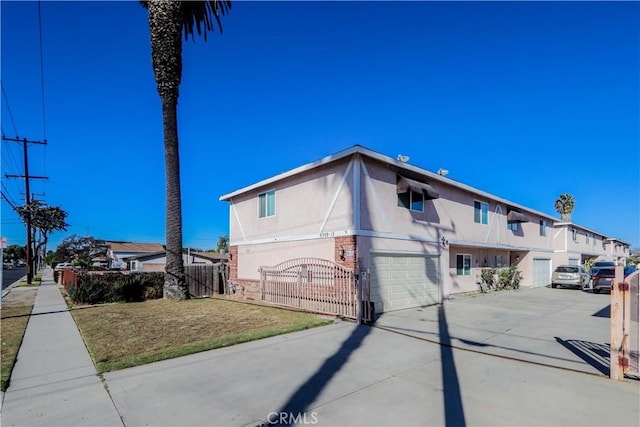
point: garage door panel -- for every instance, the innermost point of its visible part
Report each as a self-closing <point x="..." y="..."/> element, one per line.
<point x="541" y="271"/>
<point x="399" y="282"/>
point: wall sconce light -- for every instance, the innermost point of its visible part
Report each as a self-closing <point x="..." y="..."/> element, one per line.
<point x="517" y="258"/>
<point x="444" y="241"/>
<point x="230" y="256"/>
<point x="341" y="253"/>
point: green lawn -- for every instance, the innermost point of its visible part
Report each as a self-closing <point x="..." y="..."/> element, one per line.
<point x="131" y="334"/>
<point x="13" y="323"/>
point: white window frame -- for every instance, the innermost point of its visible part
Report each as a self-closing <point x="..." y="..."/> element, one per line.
<point x="543" y="228"/>
<point x="266" y="207"/>
<point x="411" y="201"/>
<point x="464" y="270"/>
<point x="575" y="234"/>
<point x="483" y="219"/>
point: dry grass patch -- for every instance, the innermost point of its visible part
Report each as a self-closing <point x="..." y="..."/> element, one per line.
<point x="14" y="317"/>
<point x="131" y="334"/>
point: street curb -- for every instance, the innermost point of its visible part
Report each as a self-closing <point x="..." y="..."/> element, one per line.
<point x="6" y="290"/>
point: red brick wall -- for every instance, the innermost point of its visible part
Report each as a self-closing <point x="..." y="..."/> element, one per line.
<point x="348" y="243"/>
<point x="246" y="289"/>
<point x="233" y="263"/>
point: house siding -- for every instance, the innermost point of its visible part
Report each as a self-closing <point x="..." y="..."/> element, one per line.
<point x="351" y="203"/>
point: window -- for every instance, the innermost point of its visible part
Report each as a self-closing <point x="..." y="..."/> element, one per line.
<point x="512" y="225"/>
<point x="586" y="236"/>
<point x="411" y="200"/>
<point x="481" y="212"/>
<point x="463" y="265"/>
<point x="575" y="235"/>
<point x="543" y="227"/>
<point x="267" y="204"/>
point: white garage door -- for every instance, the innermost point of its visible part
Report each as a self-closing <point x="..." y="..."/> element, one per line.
<point x="399" y="282"/>
<point x="541" y="271"/>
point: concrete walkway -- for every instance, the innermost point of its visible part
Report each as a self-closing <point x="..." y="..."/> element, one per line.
<point x="343" y="374"/>
<point x="54" y="382"/>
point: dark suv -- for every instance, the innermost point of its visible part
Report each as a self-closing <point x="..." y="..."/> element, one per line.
<point x="596" y="266"/>
<point x="602" y="279"/>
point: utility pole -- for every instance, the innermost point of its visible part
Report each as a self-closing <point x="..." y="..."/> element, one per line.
<point x="27" y="177"/>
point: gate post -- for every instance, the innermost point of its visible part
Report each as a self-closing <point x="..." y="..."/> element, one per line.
<point x="619" y="357"/>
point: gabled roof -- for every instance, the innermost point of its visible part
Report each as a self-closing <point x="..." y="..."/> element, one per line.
<point x="400" y="167"/>
<point x="135" y="247"/>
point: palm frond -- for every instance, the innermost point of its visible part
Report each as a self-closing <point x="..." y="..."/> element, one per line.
<point x="199" y="16"/>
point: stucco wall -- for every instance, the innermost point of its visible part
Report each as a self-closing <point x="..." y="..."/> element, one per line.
<point x="302" y="204"/>
<point x="251" y="257"/>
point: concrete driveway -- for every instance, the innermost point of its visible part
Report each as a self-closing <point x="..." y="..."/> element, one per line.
<point x="398" y="374"/>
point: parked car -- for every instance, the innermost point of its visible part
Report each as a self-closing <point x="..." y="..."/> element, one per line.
<point x="62" y="266"/>
<point x="604" y="276"/>
<point x="601" y="264"/>
<point x="570" y="275"/>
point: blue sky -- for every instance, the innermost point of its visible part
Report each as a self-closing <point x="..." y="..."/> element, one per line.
<point x="522" y="100"/>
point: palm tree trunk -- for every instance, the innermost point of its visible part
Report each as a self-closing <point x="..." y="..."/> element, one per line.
<point x="165" y="24"/>
<point x="174" y="281"/>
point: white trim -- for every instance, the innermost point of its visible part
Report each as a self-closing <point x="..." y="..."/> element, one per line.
<point x="383" y="235"/>
<point x="335" y="197"/>
<point x="235" y="212"/>
<point x="356" y="192"/>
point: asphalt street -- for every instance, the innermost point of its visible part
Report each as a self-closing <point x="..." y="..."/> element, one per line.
<point x="11" y="275"/>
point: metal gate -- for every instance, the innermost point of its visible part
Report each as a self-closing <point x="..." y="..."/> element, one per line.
<point x="311" y="284"/>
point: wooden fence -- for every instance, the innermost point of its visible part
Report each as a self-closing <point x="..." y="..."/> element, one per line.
<point x="310" y="284"/>
<point x="204" y="280"/>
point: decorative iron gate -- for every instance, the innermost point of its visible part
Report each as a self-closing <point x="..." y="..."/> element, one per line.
<point x="311" y="284"/>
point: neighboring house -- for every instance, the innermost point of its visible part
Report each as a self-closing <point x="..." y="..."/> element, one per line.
<point x="118" y="251"/>
<point x="157" y="261"/>
<point x="414" y="236"/>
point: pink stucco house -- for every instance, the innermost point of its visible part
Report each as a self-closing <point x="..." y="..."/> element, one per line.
<point x="413" y="235"/>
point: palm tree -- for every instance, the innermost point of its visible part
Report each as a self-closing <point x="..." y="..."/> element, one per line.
<point x="167" y="21"/>
<point x="565" y="205"/>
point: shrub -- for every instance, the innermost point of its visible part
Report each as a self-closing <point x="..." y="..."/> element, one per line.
<point x="116" y="287"/>
<point x="509" y="278"/>
<point x="488" y="278"/>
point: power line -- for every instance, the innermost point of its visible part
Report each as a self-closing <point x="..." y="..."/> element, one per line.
<point x="44" y="122"/>
<point x="6" y="101"/>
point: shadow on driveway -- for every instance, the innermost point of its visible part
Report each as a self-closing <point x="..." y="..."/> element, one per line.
<point x="596" y="355"/>
<point x="307" y="393"/>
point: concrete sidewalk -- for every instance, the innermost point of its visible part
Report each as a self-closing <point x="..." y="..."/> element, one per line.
<point x="54" y="382"/>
